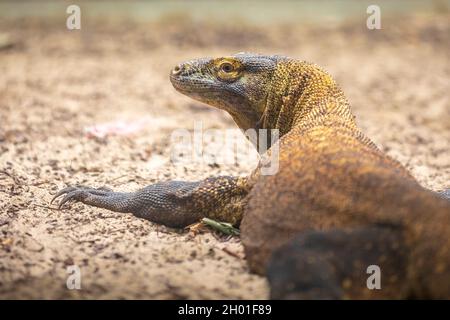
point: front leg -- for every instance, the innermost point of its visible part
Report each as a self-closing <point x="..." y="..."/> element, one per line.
<point x="172" y="203"/>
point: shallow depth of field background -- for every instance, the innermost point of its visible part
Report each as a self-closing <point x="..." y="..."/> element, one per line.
<point x="55" y="84"/>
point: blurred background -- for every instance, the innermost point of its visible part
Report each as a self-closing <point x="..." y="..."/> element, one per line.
<point x="94" y="106"/>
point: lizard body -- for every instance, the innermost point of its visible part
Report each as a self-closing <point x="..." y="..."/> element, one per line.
<point x="336" y="205"/>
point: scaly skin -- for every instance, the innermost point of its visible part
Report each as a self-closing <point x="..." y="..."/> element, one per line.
<point x="336" y="205"/>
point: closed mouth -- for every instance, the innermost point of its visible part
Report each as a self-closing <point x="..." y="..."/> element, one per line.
<point x="190" y="85"/>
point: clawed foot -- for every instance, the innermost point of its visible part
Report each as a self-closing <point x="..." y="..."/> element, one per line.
<point x="79" y="193"/>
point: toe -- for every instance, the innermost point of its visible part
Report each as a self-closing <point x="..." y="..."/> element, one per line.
<point x="76" y="195"/>
<point x="63" y="191"/>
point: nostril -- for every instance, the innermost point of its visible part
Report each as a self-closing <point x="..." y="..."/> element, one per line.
<point x="177" y="70"/>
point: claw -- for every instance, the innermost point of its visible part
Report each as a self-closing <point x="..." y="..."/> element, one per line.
<point x="63" y="191"/>
<point x="66" y="198"/>
<point x="77" y="192"/>
<point x="71" y="195"/>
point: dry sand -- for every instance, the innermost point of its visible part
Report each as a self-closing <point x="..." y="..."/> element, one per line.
<point x="54" y="83"/>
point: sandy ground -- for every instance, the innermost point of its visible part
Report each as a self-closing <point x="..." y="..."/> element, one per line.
<point x="55" y="83"/>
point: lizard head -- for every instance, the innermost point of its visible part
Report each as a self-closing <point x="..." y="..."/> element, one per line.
<point x="238" y="84"/>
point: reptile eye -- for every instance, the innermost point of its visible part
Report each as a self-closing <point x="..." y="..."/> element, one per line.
<point x="227" y="67"/>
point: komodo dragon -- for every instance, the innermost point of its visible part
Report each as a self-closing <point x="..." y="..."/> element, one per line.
<point x="336" y="205"/>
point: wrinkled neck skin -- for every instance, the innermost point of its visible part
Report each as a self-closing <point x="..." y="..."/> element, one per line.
<point x="244" y="119"/>
<point x="303" y="96"/>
